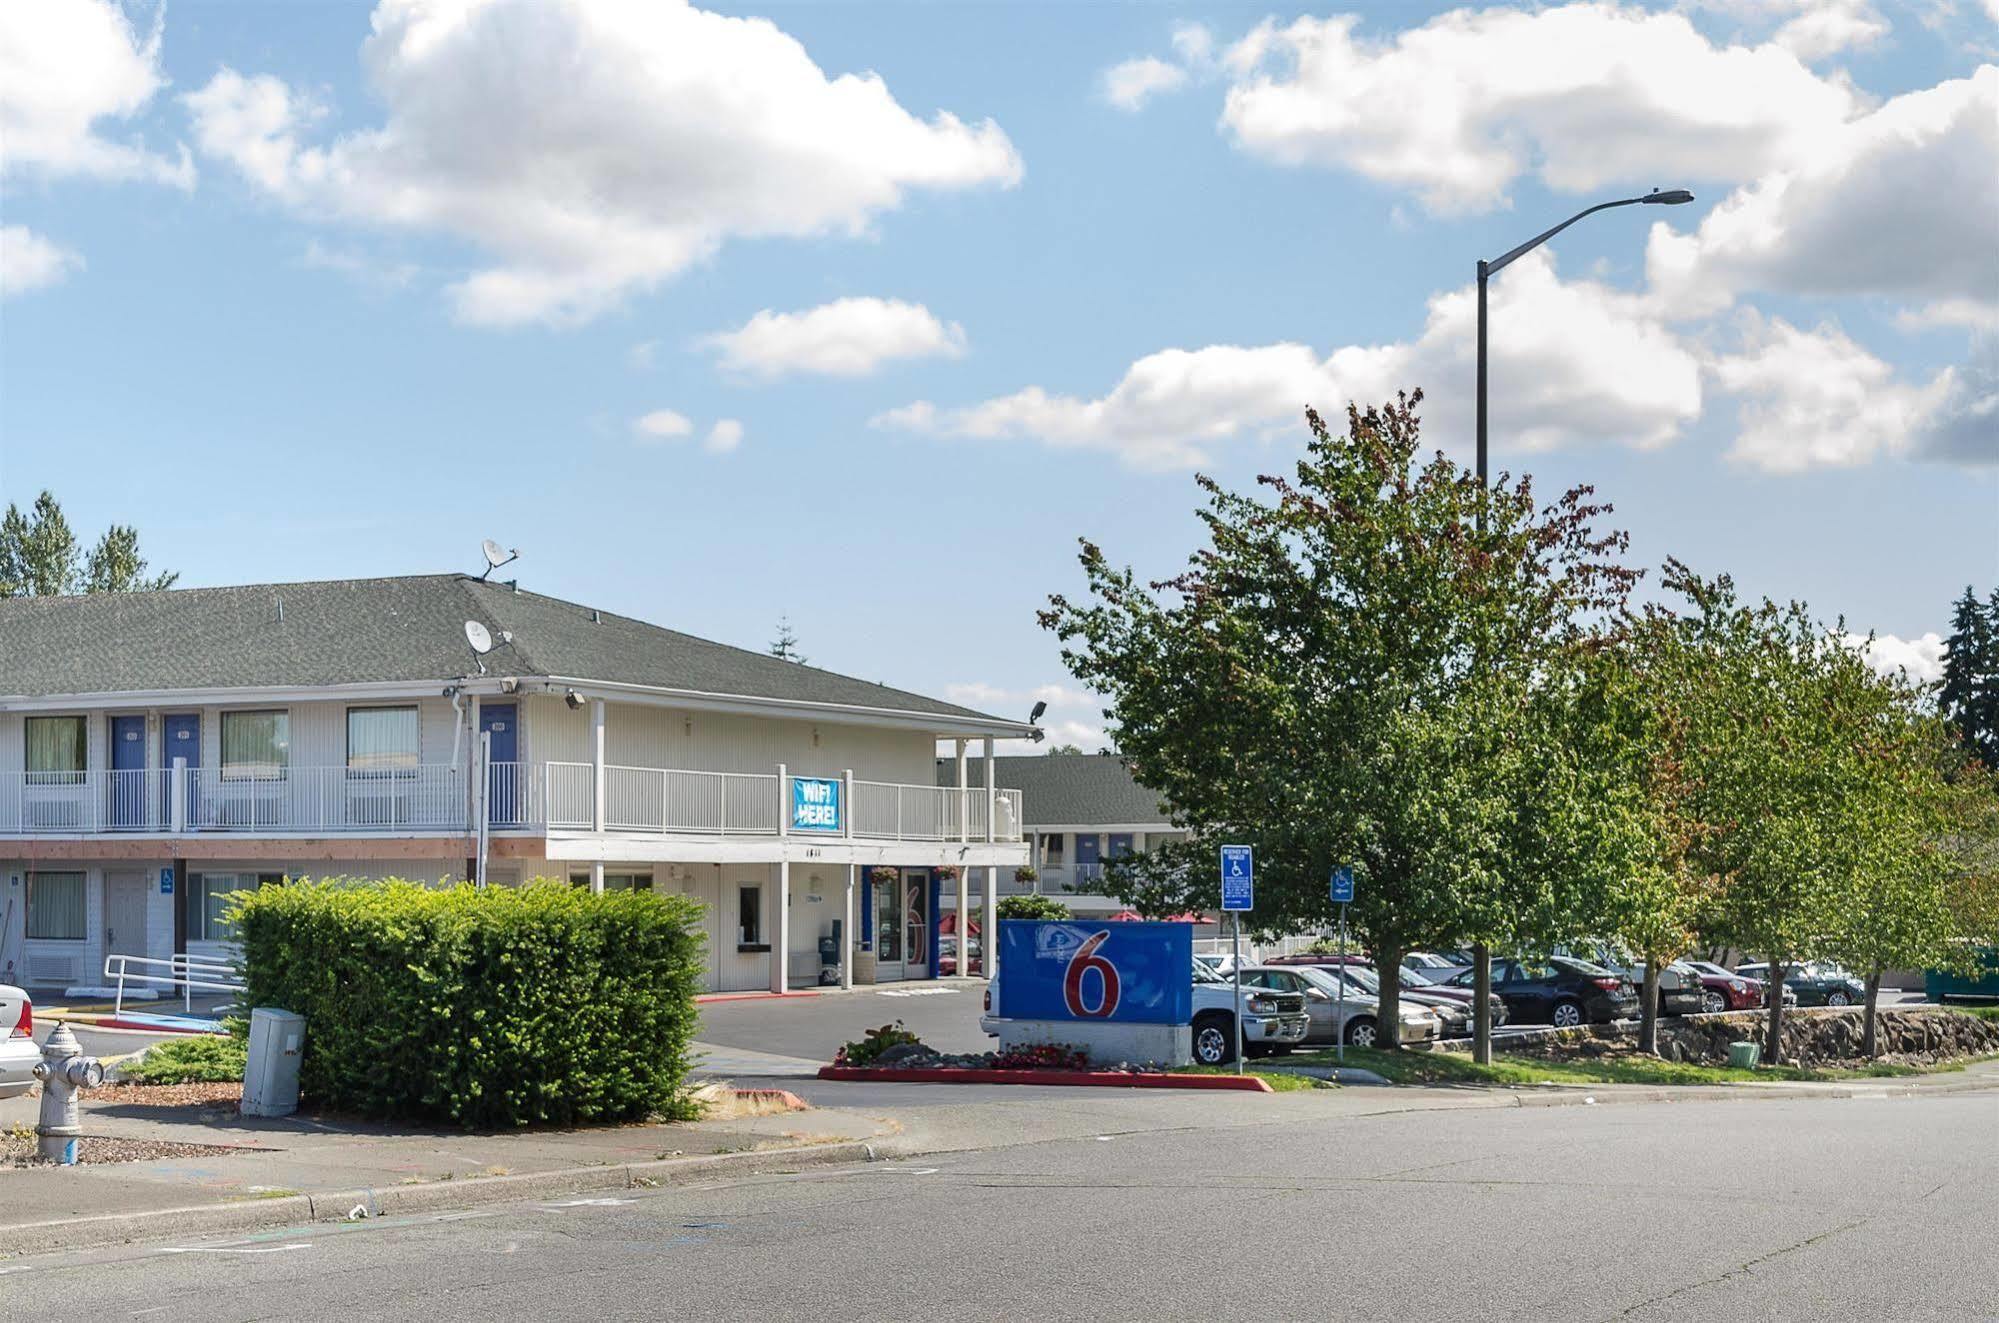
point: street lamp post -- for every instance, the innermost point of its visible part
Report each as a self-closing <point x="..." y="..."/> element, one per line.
<point x="1672" y="197"/>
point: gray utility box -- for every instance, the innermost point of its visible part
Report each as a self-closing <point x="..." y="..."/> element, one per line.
<point x="270" y="1081"/>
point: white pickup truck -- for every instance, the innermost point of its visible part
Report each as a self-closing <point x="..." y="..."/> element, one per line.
<point x="18" y="1053"/>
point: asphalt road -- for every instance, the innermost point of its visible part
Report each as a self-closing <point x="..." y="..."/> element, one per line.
<point x="1318" y="1205"/>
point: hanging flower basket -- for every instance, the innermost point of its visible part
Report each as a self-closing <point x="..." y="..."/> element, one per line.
<point x="1026" y="875"/>
<point x="946" y="872"/>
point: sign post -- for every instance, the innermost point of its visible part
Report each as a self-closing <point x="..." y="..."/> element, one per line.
<point x="1238" y="896"/>
<point x="1342" y="897"/>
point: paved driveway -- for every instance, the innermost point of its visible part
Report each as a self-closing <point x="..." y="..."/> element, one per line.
<point x="944" y="1014"/>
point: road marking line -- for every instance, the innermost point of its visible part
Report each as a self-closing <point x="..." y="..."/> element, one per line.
<point x="588" y="1203"/>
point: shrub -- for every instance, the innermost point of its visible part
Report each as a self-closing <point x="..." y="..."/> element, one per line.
<point x="485" y="1007"/>
<point x="864" y="1050"/>
<point x="1033" y="907"/>
<point x="198" y="1059"/>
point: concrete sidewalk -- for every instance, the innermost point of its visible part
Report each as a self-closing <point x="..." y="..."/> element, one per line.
<point x="298" y="1168"/>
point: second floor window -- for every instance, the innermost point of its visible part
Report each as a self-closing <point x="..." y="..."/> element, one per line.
<point x="256" y="745"/>
<point x="1051" y="849"/>
<point x="381" y="740"/>
<point x="55" y="751"/>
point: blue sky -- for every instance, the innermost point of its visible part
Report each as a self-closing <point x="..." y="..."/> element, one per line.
<point x="305" y="303"/>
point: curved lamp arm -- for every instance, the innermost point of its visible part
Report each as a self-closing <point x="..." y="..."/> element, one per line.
<point x="1671" y="197"/>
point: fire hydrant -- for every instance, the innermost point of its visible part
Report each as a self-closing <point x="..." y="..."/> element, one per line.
<point x="63" y="1070"/>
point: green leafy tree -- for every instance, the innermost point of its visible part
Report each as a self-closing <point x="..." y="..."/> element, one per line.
<point x="1969" y="696"/>
<point x="1357" y="670"/>
<point x="1789" y="799"/>
<point x="40" y="556"/>
<point x="1639" y="707"/>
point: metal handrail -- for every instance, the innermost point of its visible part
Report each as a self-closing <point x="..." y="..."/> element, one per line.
<point x="184" y="971"/>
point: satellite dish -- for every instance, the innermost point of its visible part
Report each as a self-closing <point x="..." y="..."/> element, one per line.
<point x="479" y="637"/>
<point x="496" y="556"/>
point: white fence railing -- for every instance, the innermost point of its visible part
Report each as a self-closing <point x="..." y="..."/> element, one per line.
<point x="437" y="797"/>
<point x="191" y="974"/>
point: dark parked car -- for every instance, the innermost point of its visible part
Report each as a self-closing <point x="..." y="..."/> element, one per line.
<point x="1558" y="991"/>
<point x="1818" y="983"/>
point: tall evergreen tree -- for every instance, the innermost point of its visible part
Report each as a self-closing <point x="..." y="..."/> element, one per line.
<point x="40" y="556"/>
<point x="785" y="646"/>
<point x="1970" y="695"/>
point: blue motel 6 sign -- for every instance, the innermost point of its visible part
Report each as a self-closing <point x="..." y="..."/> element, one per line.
<point x="815" y="803"/>
<point x="1120" y="973"/>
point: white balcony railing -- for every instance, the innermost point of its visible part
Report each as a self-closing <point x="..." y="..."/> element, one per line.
<point x="560" y="796"/>
<point x="670" y="801"/>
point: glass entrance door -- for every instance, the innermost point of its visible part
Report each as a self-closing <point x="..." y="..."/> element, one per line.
<point x="902" y="926"/>
<point x="888" y="928"/>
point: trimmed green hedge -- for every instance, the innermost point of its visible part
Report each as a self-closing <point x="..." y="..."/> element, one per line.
<point x="486" y="1007"/>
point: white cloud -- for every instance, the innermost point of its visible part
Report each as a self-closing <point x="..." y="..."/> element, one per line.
<point x="846" y="338"/>
<point x="66" y="67"/>
<point x="1811" y="399"/>
<point x="1580" y="96"/>
<point x="663" y="425"/>
<point x="591" y="150"/>
<point x="1130" y="84"/>
<point x="29" y="262"/>
<point x="1921" y="658"/>
<point x="1963" y="428"/>
<point x="1899" y="203"/>
<point x="1571" y="362"/>
<point x="723" y="437"/>
<point x="1810" y="29"/>
<point x="358" y="266"/>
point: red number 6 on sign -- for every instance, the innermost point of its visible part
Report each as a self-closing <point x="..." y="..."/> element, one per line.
<point x="1081" y="963"/>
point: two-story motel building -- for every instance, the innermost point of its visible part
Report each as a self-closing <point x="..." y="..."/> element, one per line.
<point x="161" y="750"/>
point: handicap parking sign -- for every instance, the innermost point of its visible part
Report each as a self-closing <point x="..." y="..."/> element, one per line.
<point x="1238" y="878"/>
<point x="1343" y="885"/>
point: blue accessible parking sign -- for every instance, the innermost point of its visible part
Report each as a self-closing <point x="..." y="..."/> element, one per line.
<point x="1238" y="878"/>
<point x="1343" y="885"/>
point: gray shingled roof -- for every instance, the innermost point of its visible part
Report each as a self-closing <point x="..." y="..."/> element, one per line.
<point x="1065" y="788"/>
<point x="356" y="631"/>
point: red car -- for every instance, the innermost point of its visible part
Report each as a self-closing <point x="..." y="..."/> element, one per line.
<point x="1724" y="990"/>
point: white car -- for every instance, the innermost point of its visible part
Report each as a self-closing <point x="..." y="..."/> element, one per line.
<point x="1359" y="1026"/>
<point x="19" y="1054"/>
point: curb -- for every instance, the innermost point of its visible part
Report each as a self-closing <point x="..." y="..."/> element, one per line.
<point x="1101" y="1079"/>
<point x="335" y="1206"/>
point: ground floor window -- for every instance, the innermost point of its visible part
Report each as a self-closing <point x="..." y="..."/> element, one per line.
<point x="208" y="898"/>
<point x="616" y="881"/>
<point x="749" y="915"/>
<point x="56" y="907"/>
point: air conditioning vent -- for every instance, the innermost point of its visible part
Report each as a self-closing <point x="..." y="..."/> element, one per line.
<point x="48" y="970"/>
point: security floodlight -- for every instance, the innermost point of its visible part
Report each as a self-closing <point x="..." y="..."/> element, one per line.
<point x="496" y="556"/>
<point x="1035" y="715"/>
<point x="573" y="699"/>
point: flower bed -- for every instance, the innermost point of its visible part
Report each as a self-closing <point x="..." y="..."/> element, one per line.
<point x="892" y="1054"/>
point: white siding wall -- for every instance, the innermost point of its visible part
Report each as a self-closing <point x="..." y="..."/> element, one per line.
<point x="637" y="735"/>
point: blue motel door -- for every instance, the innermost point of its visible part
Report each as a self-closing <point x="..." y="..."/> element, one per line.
<point x="503" y="781"/>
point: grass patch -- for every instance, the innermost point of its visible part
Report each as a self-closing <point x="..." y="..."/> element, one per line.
<point x="201" y="1059"/>
<point x="1979" y="1012"/>
<point x="1280" y="1081"/>
<point x="1452" y="1068"/>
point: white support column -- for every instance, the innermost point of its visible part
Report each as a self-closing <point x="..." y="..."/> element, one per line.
<point x="780" y="946"/>
<point x="783" y="802"/>
<point x="991" y="789"/>
<point x="597" y="877"/>
<point x="597" y="764"/>
<point x="850" y="940"/>
<point x="964" y="800"/>
<point x="847" y="807"/>
<point x="989" y="924"/>
<point x="964" y="923"/>
<point x="471" y="762"/>
<point x="177" y="805"/>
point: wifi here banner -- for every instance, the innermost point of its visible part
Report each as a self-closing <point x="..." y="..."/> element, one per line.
<point x="1118" y="973"/>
